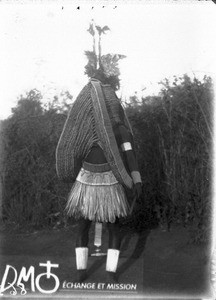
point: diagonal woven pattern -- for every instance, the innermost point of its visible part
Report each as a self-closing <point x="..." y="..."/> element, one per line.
<point x="105" y="132"/>
<point x="77" y="137"/>
<point x="91" y="120"/>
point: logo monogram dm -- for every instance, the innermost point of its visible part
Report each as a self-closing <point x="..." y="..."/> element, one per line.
<point x="25" y="276"/>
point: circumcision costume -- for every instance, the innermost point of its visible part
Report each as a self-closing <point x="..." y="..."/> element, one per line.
<point x="95" y="152"/>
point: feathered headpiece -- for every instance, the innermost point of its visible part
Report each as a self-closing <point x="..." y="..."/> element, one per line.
<point x="93" y="117"/>
<point x="102" y="67"/>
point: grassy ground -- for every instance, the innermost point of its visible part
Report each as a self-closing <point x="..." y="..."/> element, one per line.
<point x="154" y="263"/>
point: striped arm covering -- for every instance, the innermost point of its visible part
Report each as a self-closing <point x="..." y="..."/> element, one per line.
<point x="106" y="135"/>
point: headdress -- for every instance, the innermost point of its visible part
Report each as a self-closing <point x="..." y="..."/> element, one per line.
<point x="102" y="67"/>
<point x="92" y="118"/>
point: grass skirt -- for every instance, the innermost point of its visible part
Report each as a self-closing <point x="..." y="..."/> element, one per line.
<point x="96" y="195"/>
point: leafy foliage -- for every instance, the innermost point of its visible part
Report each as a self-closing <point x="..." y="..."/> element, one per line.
<point x="102" y="67"/>
<point x="32" y="192"/>
<point x="91" y="66"/>
<point x="173" y="136"/>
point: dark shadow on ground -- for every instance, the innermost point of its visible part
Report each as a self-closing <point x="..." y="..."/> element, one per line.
<point x="157" y="260"/>
<point x="96" y="266"/>
<point x="138" y="250"/>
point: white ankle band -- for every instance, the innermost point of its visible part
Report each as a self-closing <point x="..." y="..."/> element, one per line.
<point x="112" y="260"/>
<point x="81" y="258"/>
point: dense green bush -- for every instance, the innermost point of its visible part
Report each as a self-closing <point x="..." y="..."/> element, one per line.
<point x="173" y="134"/>
<point x="32" y="194"/>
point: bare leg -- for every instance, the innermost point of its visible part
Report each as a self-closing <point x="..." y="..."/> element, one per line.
<point x="113" y="251"/>
<point x="81" y="249"/>
<point x="114" y="235"/>
<point x="82" y="238"/>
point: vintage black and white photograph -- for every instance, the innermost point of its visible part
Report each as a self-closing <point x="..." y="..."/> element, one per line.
<point x="106" y="149"/>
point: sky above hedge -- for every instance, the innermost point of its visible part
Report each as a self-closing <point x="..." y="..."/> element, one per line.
<point x="42" y="45"/>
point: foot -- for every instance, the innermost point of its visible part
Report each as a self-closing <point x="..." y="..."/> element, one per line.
<point x="81" y="275"/>
<point x="111" y="277"/>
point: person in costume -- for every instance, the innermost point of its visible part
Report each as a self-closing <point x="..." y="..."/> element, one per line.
<point x="96" y="153"/>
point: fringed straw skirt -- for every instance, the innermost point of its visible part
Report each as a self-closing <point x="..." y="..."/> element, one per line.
<point x="97" y="195"/>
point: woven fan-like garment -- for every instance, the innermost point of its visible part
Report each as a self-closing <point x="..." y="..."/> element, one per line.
<point x="105" y="130"/>
<point x="90" y="121"/>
